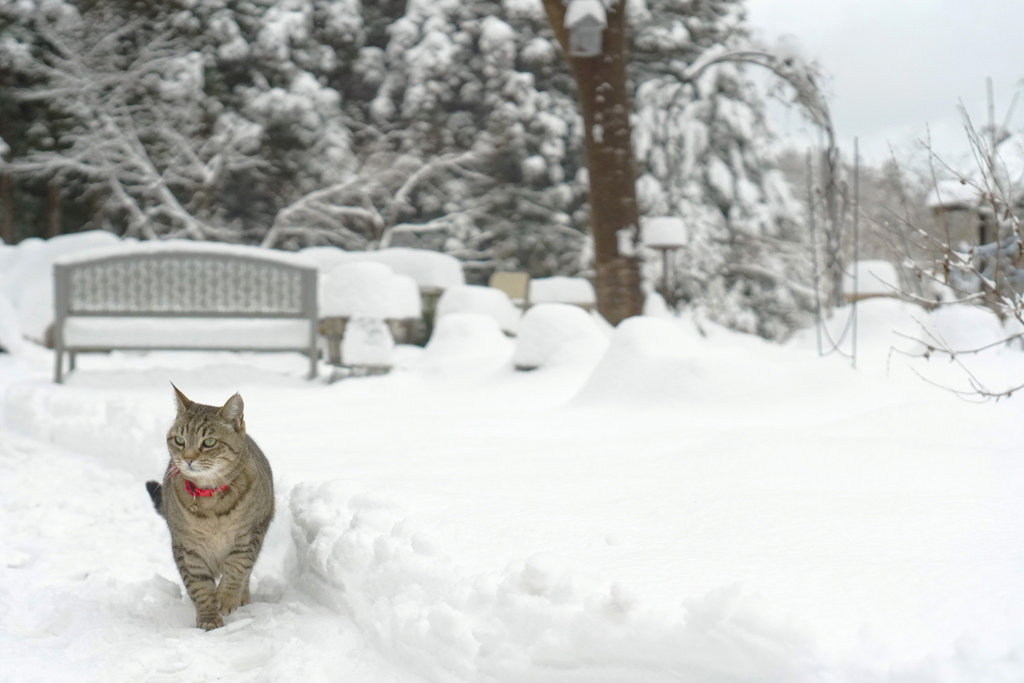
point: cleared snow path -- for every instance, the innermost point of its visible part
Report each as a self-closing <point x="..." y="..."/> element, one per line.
<point x="89" y="591"/>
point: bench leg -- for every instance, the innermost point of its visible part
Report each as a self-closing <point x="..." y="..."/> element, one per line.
<point x="71" y="361"/>
<point x="313" y="358"/>
<point x="58" y="372"/>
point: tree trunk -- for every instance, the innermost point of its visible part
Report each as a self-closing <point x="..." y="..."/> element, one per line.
<point x="52" y="208"/>
<point x="614" y="217"/>
<point x="7" y="206"/>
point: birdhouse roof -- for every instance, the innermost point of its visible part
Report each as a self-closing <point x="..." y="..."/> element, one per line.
<point x="661" y="232"/>
<point x="585" y="12"/>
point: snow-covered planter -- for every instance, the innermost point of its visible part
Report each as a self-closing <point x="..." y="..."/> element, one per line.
<point x="431" y="270"/>
<point x="488" y="301"/>
<point x="368" y="289"/>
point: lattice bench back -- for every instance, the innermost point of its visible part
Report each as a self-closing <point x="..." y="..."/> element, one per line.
<point x="185" y="284"/>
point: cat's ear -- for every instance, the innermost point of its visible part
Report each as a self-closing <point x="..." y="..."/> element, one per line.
<point x="232" y="411"/>
<point x="183" y="402"/>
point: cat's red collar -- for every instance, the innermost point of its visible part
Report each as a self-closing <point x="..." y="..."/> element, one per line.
<point x="192" y="489"/>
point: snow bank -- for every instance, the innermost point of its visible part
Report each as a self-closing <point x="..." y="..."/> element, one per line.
<point x="26" y="276"/>
<point x="131" y="439"/>
<point x="464" y="344"/>
<point x="488" y="301"/>
<point x="649" y="361"/>
<point x="553" y="334"/>
<point x="543" y="618"/>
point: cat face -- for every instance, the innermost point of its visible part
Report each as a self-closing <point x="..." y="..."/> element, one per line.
<point x="206" y="442"/>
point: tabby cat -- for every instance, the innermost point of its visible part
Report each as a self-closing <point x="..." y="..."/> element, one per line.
<point x="217" y="497"/>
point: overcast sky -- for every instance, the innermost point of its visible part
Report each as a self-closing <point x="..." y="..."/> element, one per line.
<point x="898" y="68"/>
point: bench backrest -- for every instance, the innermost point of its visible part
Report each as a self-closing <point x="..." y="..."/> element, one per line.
<point x="185" y="283"/>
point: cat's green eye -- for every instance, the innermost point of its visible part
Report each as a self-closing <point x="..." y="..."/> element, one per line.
<point x="180" y="441"/>
<point x="210" y="442"/>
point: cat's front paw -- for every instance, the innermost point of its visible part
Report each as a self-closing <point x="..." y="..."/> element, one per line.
<point x="228" y="601"/>
<point x="208" y="622"/>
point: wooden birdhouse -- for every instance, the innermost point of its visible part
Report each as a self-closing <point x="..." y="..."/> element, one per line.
<point x="585" y="20"/>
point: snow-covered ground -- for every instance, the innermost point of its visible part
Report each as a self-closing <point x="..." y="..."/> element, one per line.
<point x="686" y="504"/>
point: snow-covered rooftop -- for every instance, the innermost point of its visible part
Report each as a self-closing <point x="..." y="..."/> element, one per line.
<point x="953" y="194"/>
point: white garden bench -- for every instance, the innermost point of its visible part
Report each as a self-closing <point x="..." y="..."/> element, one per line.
<point x="181" y="295"/>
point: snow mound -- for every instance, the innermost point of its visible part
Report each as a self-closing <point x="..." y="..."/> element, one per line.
<point x="135" y="445"/>
<point x="488" y="301"/>
<point x="542" y="618"/>
<point x="466" y="341"/>
<point x="648" y="361"/>
<point x="368" y="289"/>
<point x="553" y="334"/>
<point x="966" y="327"/>
<point x="26" y="275"/>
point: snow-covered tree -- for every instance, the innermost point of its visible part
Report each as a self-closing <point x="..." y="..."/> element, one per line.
<point x="705" y="154"/>
<point x="124" y="95"/>
<point x="441" y="123"/>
